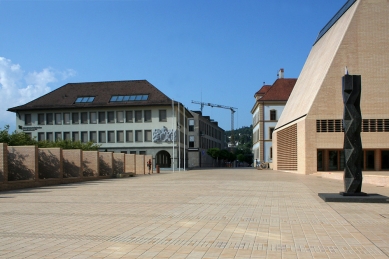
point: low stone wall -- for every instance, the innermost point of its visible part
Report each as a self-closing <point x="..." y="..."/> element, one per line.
<point x="23" y="163"/>
<point x="50" y="163"/>
<point x="72" y="163"/>
<point x="28" y="166"/>
<point x="105" y="164"/>
<point x="140" y="164"/>
<point x="130" y="164"/>
<point x="90" y="163"/>
<point x="118" y="164"/>
<point x="3" y="162"/>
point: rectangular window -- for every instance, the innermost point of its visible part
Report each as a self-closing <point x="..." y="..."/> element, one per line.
<point x="58" y="119"/>
<point x="128" y="116"/>
<point x="75" y="136"/>
<point x="84" y="136"/>
<point x="101" y="117"/>
<point x="271" y="133"/>
<point x="58" y="136"/>
<point x="49" y="136"/>
<point x="84" y="118"/>
<point x="66" y="118"/>
<point x="142" y="152"/>
<point x="120" y="136"/>
<point x="191" y="124"/>
<point x="28" y="135"/>
<point x="41" y="136"/>
<point x="138" y="136"/>
<point x="191" y="141"/>
<point x="273" y="115"/>
<point x="119" y="117"/>
<point x="93" y="117"/>
<point x="148" y="136"/>
<point x="162" y="115"/>
<point x="333" y="160"/>
<point x="41" y="119"/>
<point x="111" y="136"/>
<point x="129" y="136"/>
<point x="147" y="115"/>
<point x="138" y="116"/>
<point x="75" y="118"/>
<point x="27" y="119"/>
<point x="66" y="136"/>
<point x="133" y="152"/>
<point x="111" y="117"/>
<point x="102" y="137"/>
<point x="93" y="136"/>
<point x="49" y="118"/>
<point x="385" y="160"/>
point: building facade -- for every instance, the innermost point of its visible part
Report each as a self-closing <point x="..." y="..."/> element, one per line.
<point x="309" y="135"/>
<point x="131" y="117"/>
<point x="270" y="101"/>
<point x="203" y="133"/>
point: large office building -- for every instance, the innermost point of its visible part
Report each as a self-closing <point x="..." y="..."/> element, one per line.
<point x="270" y="101"/>
<point x="308" y="136"/>
<point x="203" y="133"/>
<point x="131" y="117"/>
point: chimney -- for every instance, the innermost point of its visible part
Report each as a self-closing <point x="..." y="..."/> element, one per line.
<point x="280" y="73"/>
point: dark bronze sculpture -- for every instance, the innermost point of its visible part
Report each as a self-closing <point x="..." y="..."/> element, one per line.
<point x="352" y="120"/>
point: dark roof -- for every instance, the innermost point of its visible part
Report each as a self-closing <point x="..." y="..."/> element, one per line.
<point x="65" y="96"/>
<point x="280" y="90"/>
<point x="334" y="19"/>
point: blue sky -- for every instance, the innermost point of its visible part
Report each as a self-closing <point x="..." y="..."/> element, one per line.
<point x="217" y="51"/>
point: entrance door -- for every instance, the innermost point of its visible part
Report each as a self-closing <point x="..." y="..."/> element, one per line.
<point x="163" y="159"/>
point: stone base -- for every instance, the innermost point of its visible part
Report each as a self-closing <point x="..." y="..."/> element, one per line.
<point x="353" y="194"/>
<point x="367" y="198"/>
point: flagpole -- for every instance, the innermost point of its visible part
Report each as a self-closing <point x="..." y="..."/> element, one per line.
<point x="184" y="137"/>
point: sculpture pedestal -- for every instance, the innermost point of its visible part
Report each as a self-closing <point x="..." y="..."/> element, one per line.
<point x="353" y="194"/>
<point x="367" y="198"/>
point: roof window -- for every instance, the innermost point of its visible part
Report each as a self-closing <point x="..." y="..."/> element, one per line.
<point x="85" y="99"/>
<point x="128" y="98"/>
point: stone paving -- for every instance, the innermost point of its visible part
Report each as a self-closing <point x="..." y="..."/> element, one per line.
<point x="221" y="213"/>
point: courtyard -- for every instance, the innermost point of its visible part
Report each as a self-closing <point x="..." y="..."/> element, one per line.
<point x="218" y="213"/>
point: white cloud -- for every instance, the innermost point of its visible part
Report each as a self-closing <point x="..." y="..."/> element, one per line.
<point x="18" y="87"/>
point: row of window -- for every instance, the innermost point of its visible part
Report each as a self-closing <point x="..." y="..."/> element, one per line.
<point x="272" y="115"/>
<point x="368" y="125"/>
<point x="94" y="117"/>
<point x="119" y="136"/>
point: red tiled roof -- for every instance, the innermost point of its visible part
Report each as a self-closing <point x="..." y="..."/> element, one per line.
<point x="263" y="90"/>
<point x="65" y="96"/>
<point x="280" y="90"/>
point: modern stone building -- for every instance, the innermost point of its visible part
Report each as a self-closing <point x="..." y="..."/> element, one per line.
<point x="308" y="136"/>
<point x="203" y="133"/>
<point x="131" y="117"/>
<point x="270" y="101"/>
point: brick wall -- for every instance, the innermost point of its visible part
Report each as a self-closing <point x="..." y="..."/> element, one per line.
<point x="22" y="163"/>
<point x="50" y="163"/>
<point x="106" y="165"/>
<point x="3" y="163"/>
<point x="118" y="163"/>
<point x="149" y="158"/>
<point x="130" y="163"/>
<point x="90" y="163"/>
<point x="140" y="164"/>
<point x="72" y="163"/>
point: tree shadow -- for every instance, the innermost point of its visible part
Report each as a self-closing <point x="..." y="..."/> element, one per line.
<point x="70" y="169"/>
<point x="104" y="168"/>
<point x="48" y="165"/>
<point x="118" y="167"/>
<point x="87" y="172"/>
<point x="17" y="170"/>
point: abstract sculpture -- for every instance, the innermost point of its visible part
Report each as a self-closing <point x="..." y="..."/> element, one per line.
<point x="352" y="120"/>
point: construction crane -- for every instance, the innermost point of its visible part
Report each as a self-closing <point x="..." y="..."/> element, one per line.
<point x="232" y="109"/>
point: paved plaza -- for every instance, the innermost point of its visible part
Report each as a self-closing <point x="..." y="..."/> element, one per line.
<point x="220" y="213"/>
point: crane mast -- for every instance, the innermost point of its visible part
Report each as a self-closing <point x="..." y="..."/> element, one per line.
<point x="232" y="109"/>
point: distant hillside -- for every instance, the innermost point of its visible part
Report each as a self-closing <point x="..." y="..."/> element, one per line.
<point x="243" y="135"/>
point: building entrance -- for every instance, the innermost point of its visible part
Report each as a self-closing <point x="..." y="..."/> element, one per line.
<point x="163" y="159"/>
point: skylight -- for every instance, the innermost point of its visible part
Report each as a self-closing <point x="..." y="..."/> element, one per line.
<point x="127" y="98"/>
<point x="85" y="99"/>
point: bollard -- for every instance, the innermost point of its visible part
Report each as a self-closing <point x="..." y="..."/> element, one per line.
<point x="157" y="167"/>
